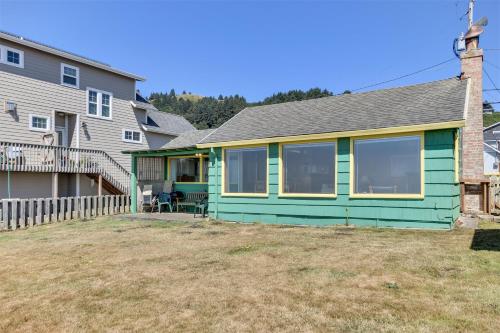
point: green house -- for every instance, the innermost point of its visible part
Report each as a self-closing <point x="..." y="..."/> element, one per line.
<point x="178" y="161"/>
<point x="386" y="158"/>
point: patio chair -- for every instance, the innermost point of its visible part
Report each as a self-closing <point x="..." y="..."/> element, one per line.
<point x="201" y="206"/>
<point x="147" y="197"/>
<point x="164" y="199"/>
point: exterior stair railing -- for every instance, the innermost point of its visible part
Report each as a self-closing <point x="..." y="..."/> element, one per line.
<point x="29" y="157"/>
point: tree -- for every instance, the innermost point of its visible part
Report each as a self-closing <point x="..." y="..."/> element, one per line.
<point x="211" y="112"/>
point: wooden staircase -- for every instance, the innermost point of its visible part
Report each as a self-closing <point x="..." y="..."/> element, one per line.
<point x="107" y="185"/>
<point x="26" y="157"/>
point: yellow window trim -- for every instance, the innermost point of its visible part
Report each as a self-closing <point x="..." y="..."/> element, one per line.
<point x="305" y="195"/>
<point x="199" y="156"/>
<point x="420" y="195"/>
<point x="333" y="135"/>
<point x="457" y="157"/>
<point x="223" y="173"/>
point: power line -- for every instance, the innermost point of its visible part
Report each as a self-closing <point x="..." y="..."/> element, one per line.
<point x="491" y="49"/>
<point x="491" y="64"/>
<point x="491" y="80"/>
<point x="404" y="76"/>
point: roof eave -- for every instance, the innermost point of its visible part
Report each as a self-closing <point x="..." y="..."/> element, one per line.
<point x="146" y="129"/>
<point x="71" y="57"/>
<point x="137" y="106"/>
<point x="334" y="135"/>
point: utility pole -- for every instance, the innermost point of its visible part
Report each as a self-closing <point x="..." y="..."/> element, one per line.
<point x="471" y="13"/>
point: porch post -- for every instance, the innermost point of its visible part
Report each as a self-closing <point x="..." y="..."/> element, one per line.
<point x="133" y="186"/>
<point x="216" y="181"/>
<point x="99" y="188"/>
<point x="77" y="185"/>
<point x="77" y="175"/>
<point x="55" y="184"/>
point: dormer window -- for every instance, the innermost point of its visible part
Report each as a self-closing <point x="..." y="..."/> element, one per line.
<point x="70" y="76"/>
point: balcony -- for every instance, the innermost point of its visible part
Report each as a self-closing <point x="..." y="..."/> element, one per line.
<point x="26" y="157"/>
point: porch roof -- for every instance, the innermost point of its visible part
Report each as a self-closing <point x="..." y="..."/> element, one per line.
<point x="185" y="141"/>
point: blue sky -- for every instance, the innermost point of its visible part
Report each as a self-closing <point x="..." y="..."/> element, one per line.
<point x="256" y="48"/>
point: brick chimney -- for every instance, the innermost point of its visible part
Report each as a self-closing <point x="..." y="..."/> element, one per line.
<point x="472" y="133"/>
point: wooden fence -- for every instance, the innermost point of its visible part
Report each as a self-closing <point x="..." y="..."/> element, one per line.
<point x="494" y="194"/>
<point x="23" y="213"/>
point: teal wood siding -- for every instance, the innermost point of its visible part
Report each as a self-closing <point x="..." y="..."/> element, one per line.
<point x="439" y="209"/>
<point x="191" y="187"/>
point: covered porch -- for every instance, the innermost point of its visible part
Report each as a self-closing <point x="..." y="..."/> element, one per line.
<point x="180" y="174"/>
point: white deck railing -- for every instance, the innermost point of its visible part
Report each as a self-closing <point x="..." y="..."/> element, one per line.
<point x="29" y="157"/>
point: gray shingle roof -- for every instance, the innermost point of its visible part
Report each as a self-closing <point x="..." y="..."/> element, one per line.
<point x="167" y="123"/>
<point x="434" y="102"/>
<point x="188" y="139"/>
<point x="143" y="105"/>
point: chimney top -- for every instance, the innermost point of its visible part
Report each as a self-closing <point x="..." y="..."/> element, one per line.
<point x="474" y="31"/>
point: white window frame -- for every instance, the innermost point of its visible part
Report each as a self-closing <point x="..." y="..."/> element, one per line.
<point x="133" y="131"/>
<point x="77" y="77"/>
<point x="99" y="104"/>
<point x="36" y="129"/>
<point x="3" y="56"/>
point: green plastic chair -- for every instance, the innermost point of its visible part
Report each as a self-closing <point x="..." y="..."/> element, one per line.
<point x="164" y="199"/>
<point x="201" y="207"/>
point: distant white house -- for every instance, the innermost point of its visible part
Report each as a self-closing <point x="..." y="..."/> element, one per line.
<point x="492" y="149"/>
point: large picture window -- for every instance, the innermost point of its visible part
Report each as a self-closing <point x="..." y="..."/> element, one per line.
<point x="185" y="170"/>
<point x="308" y="168"/>
<point x="245" y="170"/>
<point x="388" y="166"/>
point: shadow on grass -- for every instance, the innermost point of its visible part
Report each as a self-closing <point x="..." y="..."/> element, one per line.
<point x="486" y="239"/>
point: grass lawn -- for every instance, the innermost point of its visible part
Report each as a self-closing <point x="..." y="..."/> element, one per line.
<point x="110" y="275"/>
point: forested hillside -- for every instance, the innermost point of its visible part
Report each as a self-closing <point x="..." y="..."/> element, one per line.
<point x="210" y="112"/>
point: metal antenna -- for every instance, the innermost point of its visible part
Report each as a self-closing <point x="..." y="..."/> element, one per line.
<point x="471" y="13"/>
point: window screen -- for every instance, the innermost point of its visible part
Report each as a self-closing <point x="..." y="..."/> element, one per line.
<point x="245" y="170"/>
<point x="185" y="169"/>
